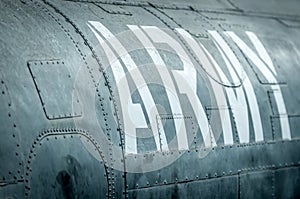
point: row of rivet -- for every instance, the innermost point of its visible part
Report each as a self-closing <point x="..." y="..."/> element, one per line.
<point x="13" y="175"/>
<point x="50" y="133"/>
<point x="209" y="176"/>
<point x="111" y="192"/>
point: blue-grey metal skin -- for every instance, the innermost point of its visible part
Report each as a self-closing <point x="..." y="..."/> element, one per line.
<point x="62" y="130"/>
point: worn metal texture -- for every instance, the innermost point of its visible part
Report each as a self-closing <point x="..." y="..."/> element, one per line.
<point x="149" y="99"/>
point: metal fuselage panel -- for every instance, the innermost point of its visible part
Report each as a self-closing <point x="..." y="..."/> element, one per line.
<point x="149" y="100"/>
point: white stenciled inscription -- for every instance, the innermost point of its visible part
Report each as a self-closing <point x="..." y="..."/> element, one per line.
<point x="240" y="96"/>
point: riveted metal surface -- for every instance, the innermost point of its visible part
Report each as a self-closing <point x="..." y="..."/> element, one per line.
<point x="211" y="112"/>
<point x="55" y="86"/>
<point x="83" y="25"/>
<point x="215" y="4"/>
<point x="191" y="129"/>
<point x="187" y="21"/>
<point x="59" y="30"/>
<point x="10" y="151"/>
<point x="234" y="159"/>
<point x="94" y="75"/>
<point x="274" y="42"/>
<point x="168" y="15"/>
<point x="163" y="177"/>
<point x="260" y="182"/>
<point x="215" y="25"/>
<point x="54" y="162"/>
<point x="172" y="21"/>
<point x="224" y="187"/>
<point x="220" y="7"/>
<point x="107" y="115"/>
<point x="228" y="26"/>
<point x="30" y="118"/>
